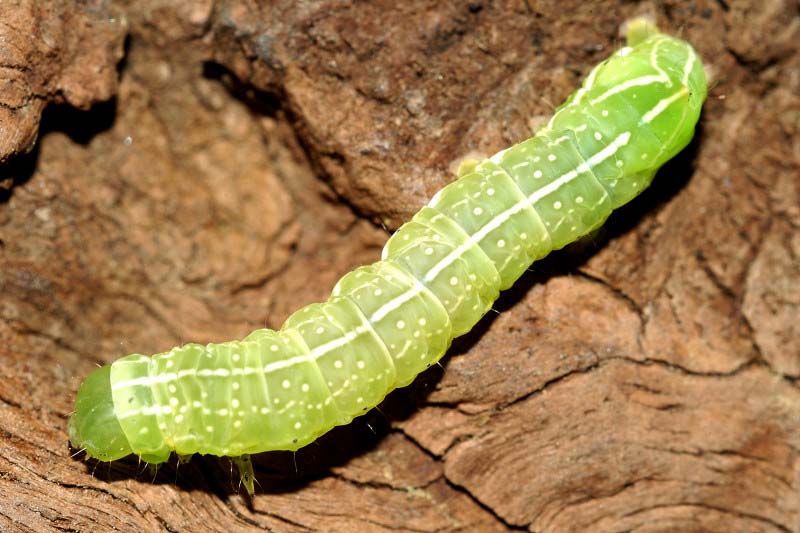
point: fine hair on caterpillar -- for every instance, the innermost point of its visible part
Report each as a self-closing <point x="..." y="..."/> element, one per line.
<point x="386" y="322"/>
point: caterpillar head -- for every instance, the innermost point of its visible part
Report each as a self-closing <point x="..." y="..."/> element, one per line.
<point x="94" y="426"/>
<point x="671" y="108"/>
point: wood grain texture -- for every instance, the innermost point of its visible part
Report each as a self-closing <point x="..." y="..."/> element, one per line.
<point x="665" y="399"/>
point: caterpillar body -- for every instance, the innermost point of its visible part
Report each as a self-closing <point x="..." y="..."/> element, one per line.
<point x="438" y="275"/>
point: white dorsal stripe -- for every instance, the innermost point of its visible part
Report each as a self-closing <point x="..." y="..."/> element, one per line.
<point x="654" y="61"/>
<point x="624" y="86"/>
<point x="586" y="87"/>
<point x="537" y="195"/>
<point x="688" y="67"/>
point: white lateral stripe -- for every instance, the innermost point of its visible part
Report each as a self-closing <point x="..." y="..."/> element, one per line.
<point x="313" y="355"/>
<point x="317" y="352"/>
<point x="537" y="195"/>
<point x="396" y="302"/>
<point x="621" y="140"/>
<point x="663" y="104"/>
<point x="165" y="377"/>
<point x="150" y="410"/>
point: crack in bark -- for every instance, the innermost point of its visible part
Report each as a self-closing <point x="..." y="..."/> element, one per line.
<point x="485" y="507"/>
<point x="723" y="510"/>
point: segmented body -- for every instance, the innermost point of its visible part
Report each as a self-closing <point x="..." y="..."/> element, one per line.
<point x="438" y="275"/>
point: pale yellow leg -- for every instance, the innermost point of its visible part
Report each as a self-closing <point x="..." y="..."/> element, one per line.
<point x="467" y="166"/>
<point x="246" y="474"/>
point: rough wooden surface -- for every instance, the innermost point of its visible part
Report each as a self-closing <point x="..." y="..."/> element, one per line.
<point x="645" y="381"/>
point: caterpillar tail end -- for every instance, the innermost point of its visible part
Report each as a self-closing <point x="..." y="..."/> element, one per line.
<point x="246" y="474"/>
<point x="94" y="426"/>
<point x="638" y="29"/>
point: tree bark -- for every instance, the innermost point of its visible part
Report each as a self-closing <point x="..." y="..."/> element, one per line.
<point x="237" y="159"/>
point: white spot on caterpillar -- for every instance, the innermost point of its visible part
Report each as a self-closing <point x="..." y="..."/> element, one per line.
<point x="286" y="384"/>
<point x="477" y="211"/>
<point x="537" y="174"/>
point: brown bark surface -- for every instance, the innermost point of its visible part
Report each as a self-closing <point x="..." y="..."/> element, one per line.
<point x="206" y="167"/>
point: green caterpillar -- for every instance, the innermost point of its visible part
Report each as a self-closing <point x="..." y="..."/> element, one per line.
<point x="438" y="275"/>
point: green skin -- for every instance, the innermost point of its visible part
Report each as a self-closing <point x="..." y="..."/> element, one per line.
<point x="438" y="275"/>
